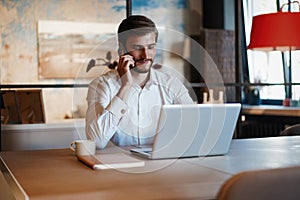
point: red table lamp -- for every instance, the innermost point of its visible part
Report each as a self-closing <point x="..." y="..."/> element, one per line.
<point x="276" y="31"/>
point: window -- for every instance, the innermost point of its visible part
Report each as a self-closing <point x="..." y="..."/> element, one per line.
<point x="267" y="67"/>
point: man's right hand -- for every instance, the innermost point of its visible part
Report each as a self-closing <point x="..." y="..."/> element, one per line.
<point x="125" y="61"/>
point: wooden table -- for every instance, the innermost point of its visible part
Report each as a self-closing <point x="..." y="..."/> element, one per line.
<point x="266" y="120"/>
<point x="271" y="110"/>
<point x="56" y="174"/>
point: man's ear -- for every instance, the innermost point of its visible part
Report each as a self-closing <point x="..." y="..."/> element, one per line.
<point x="121" y="50"/>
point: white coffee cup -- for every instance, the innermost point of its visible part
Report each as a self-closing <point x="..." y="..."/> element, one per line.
<point x="83" y="147"/>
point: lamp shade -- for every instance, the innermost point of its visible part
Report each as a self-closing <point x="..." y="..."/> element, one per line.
<point x="275" y="31"/>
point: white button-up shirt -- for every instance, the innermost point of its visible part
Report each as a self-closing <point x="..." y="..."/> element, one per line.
<point x="133" y="122"/>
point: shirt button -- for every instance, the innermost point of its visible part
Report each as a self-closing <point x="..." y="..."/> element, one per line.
<point x="123" y="111"/>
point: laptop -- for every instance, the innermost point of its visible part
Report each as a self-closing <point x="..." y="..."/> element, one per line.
<point x="192" y="130"/>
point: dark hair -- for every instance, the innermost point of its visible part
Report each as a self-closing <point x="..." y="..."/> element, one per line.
<point x="135" y="25"/>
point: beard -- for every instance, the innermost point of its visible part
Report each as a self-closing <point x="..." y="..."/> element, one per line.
<point x="143" y="69"/>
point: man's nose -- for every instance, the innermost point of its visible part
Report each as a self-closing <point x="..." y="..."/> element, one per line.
<point x="145" y="53"/>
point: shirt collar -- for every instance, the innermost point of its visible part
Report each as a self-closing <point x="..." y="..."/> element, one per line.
<point x="152" y="79"/>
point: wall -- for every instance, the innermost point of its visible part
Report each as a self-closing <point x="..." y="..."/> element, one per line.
<point x="18" y="30"/>
<point x="18" y="40"/>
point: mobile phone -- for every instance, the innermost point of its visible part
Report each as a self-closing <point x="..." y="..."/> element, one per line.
<point x="121" y="51"/>
<point x="131" y="66"/>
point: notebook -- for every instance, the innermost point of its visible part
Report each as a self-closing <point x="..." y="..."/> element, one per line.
<point x="192" y="130"/>
<point x="110" y="161"/>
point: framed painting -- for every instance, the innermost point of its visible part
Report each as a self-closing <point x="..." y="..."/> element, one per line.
<point x="65" y="48"/>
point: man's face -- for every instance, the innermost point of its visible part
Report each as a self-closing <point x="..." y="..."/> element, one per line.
<point x="143" y="51"/>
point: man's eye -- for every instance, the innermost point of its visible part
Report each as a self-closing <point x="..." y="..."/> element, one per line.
<point x="139" y="48"/>
<point x="152" y="46"/>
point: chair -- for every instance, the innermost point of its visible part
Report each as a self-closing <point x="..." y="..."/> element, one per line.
<point x="291" y="130"/>
<point x="275" y="184"/>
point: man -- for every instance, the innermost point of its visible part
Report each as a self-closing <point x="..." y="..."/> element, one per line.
<point x="124" y="104"/>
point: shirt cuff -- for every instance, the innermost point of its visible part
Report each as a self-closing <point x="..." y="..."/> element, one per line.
<point x="117" y="107"/>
